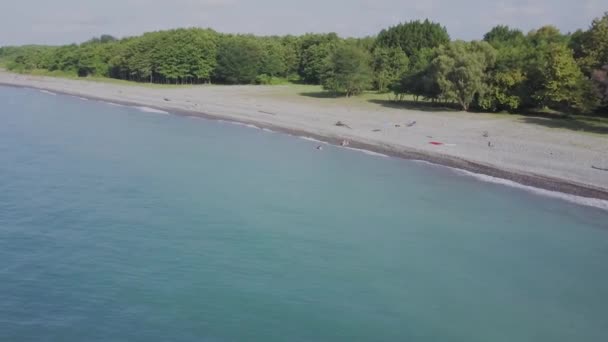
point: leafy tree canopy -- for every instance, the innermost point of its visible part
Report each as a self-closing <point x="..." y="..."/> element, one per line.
<point x="413" y="36"/>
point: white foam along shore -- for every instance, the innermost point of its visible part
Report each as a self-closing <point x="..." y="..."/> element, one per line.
<point x="47" y="92"/>
<point x="151" y="110"/>
<point x="580" y="200"/>
<point x="312" y="140"/>
<point x="586" y="201"/>
<point x="524" y="152"/>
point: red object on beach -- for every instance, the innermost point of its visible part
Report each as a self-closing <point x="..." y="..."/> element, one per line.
<point x="436" y="143"/>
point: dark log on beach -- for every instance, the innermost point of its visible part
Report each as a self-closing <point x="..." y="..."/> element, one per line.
<point x="342" y="124"/>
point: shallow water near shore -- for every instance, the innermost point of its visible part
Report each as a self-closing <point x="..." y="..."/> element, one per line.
<point x="120" y="224"/>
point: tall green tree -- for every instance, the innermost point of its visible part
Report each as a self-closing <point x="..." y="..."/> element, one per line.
<point x="420" y="80"/>
<point x="504" y="91"/>
<point x="239" y="59"/>
<point x="273" y="61"/>
<point x="347" y="70"/>
<point x="591" y="47"/>
<point x="460" y="70"/>
<point x="560" y="84"/>
<point x="315" y="48"/>
<point x="389" y="66"/>
<point x="292" y="52"/>
<point x="507" y="78"/>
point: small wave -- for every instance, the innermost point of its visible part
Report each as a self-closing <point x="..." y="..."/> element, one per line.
<point x="591" y="202"/>
<point x="244" y="124"/>
<point x="80" y="98"/>
<point x="151" y="110"/>
<point x="368" y="152"/>
<point x="312" y="139"/>
<point x="239" y="124"/>
<point x="113" y="104"/>
<point x="47" y="92"/>
<point x="267" y="130"/>
<point x="426" y="162"/>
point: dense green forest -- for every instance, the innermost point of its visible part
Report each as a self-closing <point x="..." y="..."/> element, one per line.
<point x="508" y="70"/>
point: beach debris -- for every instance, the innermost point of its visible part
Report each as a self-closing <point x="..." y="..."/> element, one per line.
<point x="397" y="125"/>
<point x="599" y="168"/>
<point x="342" y="124"/>
<point x="345" y="143"/>
<point x="486" y="134"/>
<point x="264" y="112"/>
<point x="439" y="143"/>
<point x="376" y="130"/>
<point x="411" y="124"/>
<point x="167" y="99"/>
<point x="490" y="144"/>
<point x="429" y="136"/>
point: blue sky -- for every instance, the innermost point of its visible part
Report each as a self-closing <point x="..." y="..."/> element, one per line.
<point x="67" y="21"/>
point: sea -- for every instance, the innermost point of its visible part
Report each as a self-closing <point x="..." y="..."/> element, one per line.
<point x="122" y="223"/>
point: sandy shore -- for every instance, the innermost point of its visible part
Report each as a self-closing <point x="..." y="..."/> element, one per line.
<point x="551" y="159"/>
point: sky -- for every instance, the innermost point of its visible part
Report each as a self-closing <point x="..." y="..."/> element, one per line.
<point x="69" y="21"/>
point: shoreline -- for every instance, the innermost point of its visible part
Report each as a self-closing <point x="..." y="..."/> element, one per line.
<point x="521" y="177"/>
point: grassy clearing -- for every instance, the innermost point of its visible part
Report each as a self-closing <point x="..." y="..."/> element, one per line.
<point x="371" y="99"/>
<point x="579" y="123"/>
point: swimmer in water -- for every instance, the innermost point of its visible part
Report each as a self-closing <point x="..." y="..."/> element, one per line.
<point x="320" y="148"/>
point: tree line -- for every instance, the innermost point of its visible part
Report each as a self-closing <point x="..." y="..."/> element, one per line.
<point x="508" y="70"/>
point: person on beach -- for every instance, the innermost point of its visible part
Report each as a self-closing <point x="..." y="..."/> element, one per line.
<point x="345" y="143"/>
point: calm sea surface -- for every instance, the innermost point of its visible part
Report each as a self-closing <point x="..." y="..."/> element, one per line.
<point x="118" y="224"/>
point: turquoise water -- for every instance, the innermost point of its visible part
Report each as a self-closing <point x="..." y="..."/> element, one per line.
<point x="122" y="225"/>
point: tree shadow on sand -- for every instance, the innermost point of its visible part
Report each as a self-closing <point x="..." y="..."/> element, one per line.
<point x="582" y="124"/>
<point x="321" y="95"/>
<point x="420" y="105"/>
